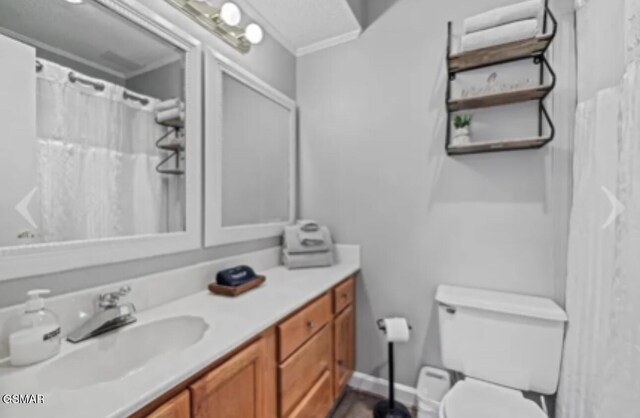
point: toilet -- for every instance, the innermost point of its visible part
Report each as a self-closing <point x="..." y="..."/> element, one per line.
<point x="503" y="344"/>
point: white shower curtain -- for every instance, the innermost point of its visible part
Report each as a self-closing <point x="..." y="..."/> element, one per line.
<point x="601" y="367"/>
<point x="96" y="161"/>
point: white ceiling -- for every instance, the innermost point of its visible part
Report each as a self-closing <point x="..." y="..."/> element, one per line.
<point x="305" y="26"/>
<point x="87" y="33"/>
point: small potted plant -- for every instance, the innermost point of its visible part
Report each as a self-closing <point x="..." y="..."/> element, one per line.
<point x="462" y="124"/>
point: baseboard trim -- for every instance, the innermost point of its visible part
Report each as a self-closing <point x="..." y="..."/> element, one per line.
<point x="365" y="383"/>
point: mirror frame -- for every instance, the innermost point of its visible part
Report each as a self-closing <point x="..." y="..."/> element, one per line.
<point x="37" y="259"/>
<point x="216" y="66"/>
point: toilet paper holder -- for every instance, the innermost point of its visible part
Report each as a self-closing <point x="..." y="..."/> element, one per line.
<point x="382" y="327"/>
<point x="390" y="407"/>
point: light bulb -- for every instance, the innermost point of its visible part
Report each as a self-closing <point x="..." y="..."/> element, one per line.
<point x="75" y="1"/>
<point x="254" y="33"/>
<point x="230" y="14"/>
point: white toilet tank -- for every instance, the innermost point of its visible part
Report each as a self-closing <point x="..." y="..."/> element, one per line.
<point x="507" y="339"/>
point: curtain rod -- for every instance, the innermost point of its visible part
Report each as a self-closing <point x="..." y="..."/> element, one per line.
<point x="75" y="79"/>
<point x="130" y="96"/>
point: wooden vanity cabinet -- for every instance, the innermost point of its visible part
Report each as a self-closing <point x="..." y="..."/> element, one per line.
<point x="295" y="369"/>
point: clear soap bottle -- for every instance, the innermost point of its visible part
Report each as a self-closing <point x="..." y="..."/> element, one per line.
<point x="35" y="334"/>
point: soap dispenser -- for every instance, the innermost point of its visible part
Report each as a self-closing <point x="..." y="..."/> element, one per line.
<point x="36" y="335"/>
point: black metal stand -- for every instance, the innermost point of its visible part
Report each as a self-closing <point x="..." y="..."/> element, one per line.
<point x="390" y="408"/>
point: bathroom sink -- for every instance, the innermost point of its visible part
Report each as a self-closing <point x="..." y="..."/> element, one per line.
<point x="121" y="353"/>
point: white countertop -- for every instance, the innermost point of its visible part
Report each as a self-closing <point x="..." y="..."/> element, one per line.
<point x="232" y="322"/>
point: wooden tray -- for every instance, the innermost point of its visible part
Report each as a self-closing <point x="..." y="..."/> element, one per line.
<point x="236" y="290"/>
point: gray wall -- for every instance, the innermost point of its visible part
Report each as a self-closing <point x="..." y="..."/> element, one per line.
<point x="269" y="61"/>
<point x="164" y="83"/>
<point x="373" y="167"/>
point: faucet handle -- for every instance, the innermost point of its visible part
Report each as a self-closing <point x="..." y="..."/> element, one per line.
<point x="111" y="299"/>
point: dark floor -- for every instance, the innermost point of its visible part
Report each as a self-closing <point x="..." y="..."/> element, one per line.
<point x="356" y="405"/>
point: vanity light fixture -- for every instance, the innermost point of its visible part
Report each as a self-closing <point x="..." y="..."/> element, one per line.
<point x="223" y="21"/>
<point x="230" y="14"/>
<point x="74" y="1"/>
<point x="253" y="33"/>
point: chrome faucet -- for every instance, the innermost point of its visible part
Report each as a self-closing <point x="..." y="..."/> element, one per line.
<point x="111" y="315"/>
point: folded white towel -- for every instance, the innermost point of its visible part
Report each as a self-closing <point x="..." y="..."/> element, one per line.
<point x="293" y="244"/>
<point x="531" y="9"/>
<point x="311" y="238"/>
<point x="169" y="104"/>
<point x="298" y="261"/>
<point x="511" y="32"/>
<point x="170" y="114"/>
<point x="308" y="226"/>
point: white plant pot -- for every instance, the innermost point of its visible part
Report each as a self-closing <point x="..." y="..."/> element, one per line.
<point x="461" y="136"/>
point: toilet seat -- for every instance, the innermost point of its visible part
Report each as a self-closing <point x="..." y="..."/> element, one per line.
<point x="475" y="399"/>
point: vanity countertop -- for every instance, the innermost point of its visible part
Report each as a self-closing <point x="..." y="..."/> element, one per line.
<point x="232" y="322"/>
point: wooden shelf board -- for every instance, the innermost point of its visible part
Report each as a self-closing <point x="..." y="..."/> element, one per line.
<point x="498" y="145"/>
<point x="470" y="60"/>
<point x="499" y="99"/>
<point x="173" y="123"/>
<point x="174" y="172"/>
<point x="171" y="147"/>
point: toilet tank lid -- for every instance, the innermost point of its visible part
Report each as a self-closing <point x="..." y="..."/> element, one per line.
<point x="502" y="302"/>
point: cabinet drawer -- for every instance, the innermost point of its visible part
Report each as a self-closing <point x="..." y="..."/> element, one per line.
<point x="317" y="403"/>
<point x="301" y="371"/>
<point x="303" y="325"/>
<point x="343" y="295"/>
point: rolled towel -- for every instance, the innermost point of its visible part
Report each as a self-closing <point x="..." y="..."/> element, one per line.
<point x="298" y="261"/>
<point x="170" y="114"/>
<point x="308" y="226"/>
<point x="169" y="104"/>
<point x="293" y="245"/>
<point x="531" y="9"/>
<point x="312" y="238"/>
<point x="504" y="34"/>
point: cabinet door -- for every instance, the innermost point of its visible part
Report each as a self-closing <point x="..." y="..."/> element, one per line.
<point x="317" y="402"/>
<point x="236" y="389"/>
<point x="177" y="407"/>
<point x="344" y="349"/>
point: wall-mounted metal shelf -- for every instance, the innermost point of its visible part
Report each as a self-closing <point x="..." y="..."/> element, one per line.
<point x="532" y="48"/>
<point x="175" y="149"/>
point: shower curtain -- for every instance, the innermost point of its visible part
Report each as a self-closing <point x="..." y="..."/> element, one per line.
<point x="600" y="375"/>
<point x="96" y="160"/>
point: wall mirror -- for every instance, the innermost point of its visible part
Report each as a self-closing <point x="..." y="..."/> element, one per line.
<point x="250" y="155"/>
<point x="101" y="112"/>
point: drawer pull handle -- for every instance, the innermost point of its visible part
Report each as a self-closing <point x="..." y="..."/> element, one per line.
<point x="311" y="324"/>
<point x="344" y="296"/>
<point x="340" y="362"/>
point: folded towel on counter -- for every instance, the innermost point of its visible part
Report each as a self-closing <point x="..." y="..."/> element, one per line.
<point x="312" y="238"/>
<point x="308" y="226"/>
<point x="511" y="32"/>
<point x="531" y="9"/>
<point x="170" y="114"/>
<point x="169" y="104"/>
<point x="294" y="245"/>
<point x="307" y="260"/>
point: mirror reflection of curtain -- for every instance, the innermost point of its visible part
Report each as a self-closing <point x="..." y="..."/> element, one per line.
<point x="96" y="160"/>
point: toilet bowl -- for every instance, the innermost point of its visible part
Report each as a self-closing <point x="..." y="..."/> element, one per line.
<point x="471" y="398"/>
<point x="503" y="344"/>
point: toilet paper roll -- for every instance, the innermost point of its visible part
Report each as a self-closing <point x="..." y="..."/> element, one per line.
<point x="397" y="330"/>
